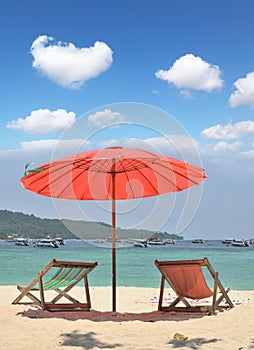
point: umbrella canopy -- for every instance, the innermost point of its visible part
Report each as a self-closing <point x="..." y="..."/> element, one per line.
<point x="113" y="173"/>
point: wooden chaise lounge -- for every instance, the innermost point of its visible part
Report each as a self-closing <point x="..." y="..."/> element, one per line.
<point x="60" y="276"/>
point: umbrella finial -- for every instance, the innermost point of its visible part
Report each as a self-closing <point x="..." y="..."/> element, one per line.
<point x="26" y="167"/>
<point x="115" y="147"/>
<point x="28" y="171"/>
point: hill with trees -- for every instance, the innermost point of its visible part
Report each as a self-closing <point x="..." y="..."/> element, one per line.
<point x="18" y="224"/>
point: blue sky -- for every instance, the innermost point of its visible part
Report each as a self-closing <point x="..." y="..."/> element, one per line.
<point x="176" y="70"/>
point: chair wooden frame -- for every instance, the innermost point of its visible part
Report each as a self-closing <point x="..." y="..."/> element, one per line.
<point x="185" y="267"/>
<point x="69" y="274"/>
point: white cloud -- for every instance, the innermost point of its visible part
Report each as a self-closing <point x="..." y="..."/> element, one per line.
<point x="38" y="146"/>
<point x="67" y="65"/>
<point x="44" y="145"/>
<point x="248" y="154"/>
<point x="190" y="150"/>
<point x="229" y="131"/>
<point x="47" y="149"/>
<point x="43" y="121"/>
<point x="220" y="148"/>
<point x="187" y="94"/>
<point x="191" y="72"/>
<point x="170" y="145"/>
<point x="244" y="93"/>
<point x="106" y="117"/>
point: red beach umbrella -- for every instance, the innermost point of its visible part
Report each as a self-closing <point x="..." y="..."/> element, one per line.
<point x="113" y="173"/>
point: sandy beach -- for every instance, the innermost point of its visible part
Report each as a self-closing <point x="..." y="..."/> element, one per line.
<point x="136" y="325"/>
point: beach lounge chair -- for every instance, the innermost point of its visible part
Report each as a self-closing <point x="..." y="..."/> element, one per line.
<point x="61" y="277"/>
<point x="188" y="282"/>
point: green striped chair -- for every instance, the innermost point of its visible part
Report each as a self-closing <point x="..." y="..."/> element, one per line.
<point x="60" y="276"/>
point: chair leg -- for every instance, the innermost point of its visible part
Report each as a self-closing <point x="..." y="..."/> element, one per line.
<point x="42" y="293"/>
<point x="63" y="293"/>
<point x="225" y="294"/>
<point x="27" y="294"/>
<point x="226" y="297"/>
<point x="186" y="303"/>
<point x="219" y="285"/>
<point x="176" y="301"/>
<point x="88" y="300"/>
<point x="25" y="290"/>
<point x="161" y="293"/>
<point x="215" y="291"/>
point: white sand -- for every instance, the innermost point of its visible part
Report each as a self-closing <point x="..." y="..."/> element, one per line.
<point x="136" y="325"/>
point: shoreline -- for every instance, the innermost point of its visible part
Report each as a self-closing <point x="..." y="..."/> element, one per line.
<point x="135" y="326"/>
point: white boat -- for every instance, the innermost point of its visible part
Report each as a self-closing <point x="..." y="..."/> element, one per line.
<point x="59" y="240"/>
<point x="140" y="244"/>
<point x="169" y="241"/>
<point x="198" y="240"/>
<point x="228" y="241"/>
<point x="156" y="242"/>
<point x="240" y="243"/>
<point x="22" y="241"/>
<point x="47" y="243"/>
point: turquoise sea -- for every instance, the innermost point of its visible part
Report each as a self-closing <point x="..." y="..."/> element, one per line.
<point x="135" y="266"/>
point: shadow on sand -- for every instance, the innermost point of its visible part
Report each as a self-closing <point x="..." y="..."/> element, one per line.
<point x="86" y="341"/>
<point x="251" y="345"/>
<point x="102" y="316"/>
<point x="194" y="343"/>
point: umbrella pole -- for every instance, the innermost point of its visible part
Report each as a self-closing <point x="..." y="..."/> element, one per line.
<point x="113" y="244"/>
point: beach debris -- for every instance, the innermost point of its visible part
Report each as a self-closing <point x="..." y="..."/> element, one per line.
<point x="166" y="300"/>
<point x="179" y="336"/>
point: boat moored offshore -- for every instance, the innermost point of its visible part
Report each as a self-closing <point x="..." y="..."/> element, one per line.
<point x="198" y="240"/>
<point x="47" y="243"/>
<point x="240" y="243"/>
<point x="22" y="241"/>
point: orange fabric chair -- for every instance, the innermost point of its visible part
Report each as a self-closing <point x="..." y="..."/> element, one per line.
<point x="187" y="280"/>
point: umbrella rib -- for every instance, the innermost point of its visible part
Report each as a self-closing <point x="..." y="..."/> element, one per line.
<point x="165" y="178"/>
<point x="135" y="168"/>
<point x="53" y="168"/>
<point x="93" y="168"/>
<point x="55" y="181"/>
<point x="126" y="174"/>
<point x="176" y="172"/>
<point x="100" y="166"/>
<point x="42" y="177"/>
<point x="148" y="181"/>
<point x="144" y="165"/>
<point x="193" y="171"/>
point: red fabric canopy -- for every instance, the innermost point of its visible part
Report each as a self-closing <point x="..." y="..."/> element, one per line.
<point x="88" y="175"/>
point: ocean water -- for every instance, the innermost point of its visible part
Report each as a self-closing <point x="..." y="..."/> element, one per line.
<point x="135" y="266"/>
